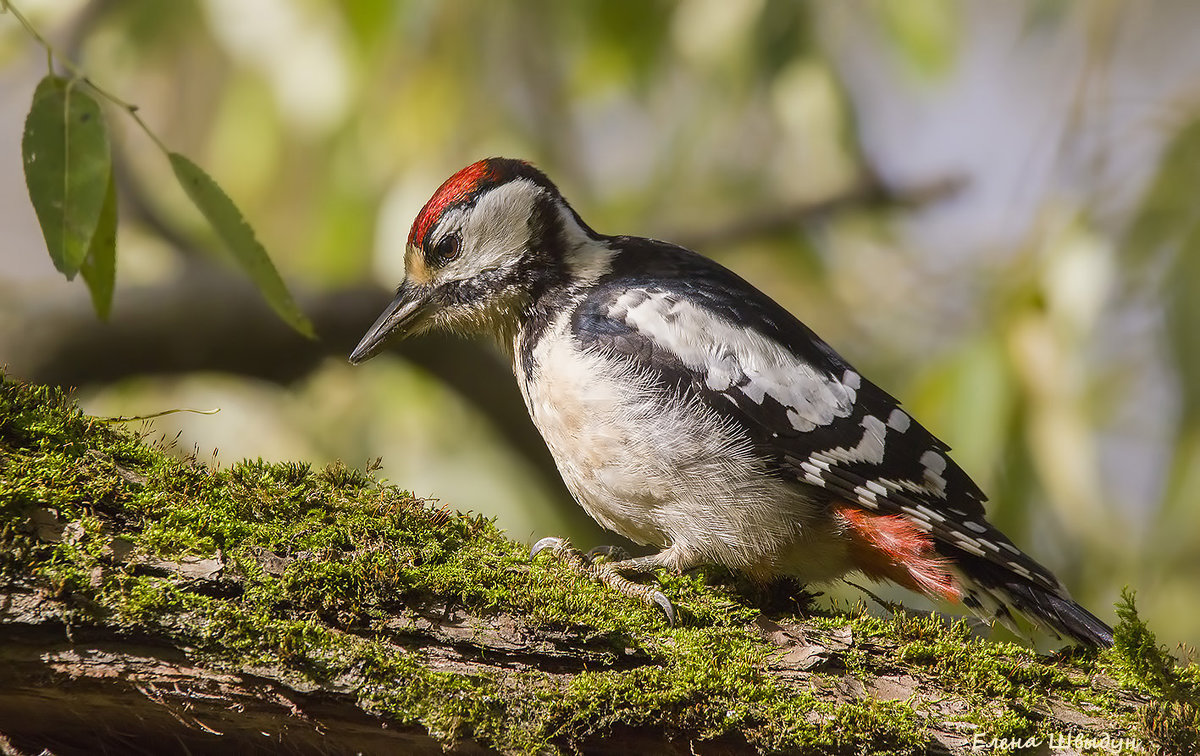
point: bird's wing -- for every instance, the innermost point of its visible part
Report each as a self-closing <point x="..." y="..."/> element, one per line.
<point x="701" y="329"/>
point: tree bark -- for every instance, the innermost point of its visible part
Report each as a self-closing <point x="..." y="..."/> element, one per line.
<point x="80" y="687"/>
<point x="68" y="690"/>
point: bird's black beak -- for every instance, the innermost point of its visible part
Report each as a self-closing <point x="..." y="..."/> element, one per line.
<point x="406" y="312"/>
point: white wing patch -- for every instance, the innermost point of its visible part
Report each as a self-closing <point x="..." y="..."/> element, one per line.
<point x="870" y="449"/>
<point x="899" y="420"/>
<point x="934" y="464"/>
<point x="729" y="355"/>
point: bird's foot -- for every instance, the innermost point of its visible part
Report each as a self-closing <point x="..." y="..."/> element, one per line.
<point x="612" y="553"/>
<point x="608" y="573"/>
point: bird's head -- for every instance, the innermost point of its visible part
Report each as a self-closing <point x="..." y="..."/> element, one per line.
<point x="478" y="251"/>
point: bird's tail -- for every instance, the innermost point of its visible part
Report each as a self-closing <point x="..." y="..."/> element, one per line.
<point x="896" y="548"/>
<point x="992" y="592"/>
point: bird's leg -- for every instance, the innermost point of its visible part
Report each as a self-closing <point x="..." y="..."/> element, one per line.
<point x="640" y="565"/>
<point x="609" y="573"/>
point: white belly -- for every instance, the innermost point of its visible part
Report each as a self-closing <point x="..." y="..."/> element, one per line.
<point x="659" y="471"/>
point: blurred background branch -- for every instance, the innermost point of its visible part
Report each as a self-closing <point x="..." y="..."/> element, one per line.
<point x="172" y="328"/>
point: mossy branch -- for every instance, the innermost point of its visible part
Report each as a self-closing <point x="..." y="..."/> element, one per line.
<point x="148" y="598"/>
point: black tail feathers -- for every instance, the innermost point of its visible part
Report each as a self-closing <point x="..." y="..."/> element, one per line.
<point x="1059" y="613"/>
<point x="993" y="592"/>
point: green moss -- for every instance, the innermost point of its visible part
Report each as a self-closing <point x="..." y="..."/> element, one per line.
<point x="1173" y="725"/>
<point x="333" y="568"/>
<point x="1172" y="719"/>
<point x="981" y="670"/>
<point x="1136" y="653"/>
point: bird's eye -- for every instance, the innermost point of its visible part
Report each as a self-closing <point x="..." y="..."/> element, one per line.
<point x="447" y="249"/>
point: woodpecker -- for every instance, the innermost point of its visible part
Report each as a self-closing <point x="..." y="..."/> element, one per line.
<point x="687" y="410"/>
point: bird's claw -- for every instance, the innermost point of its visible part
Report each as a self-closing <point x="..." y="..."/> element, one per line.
<point x="549" y="542"/>
<point x="656" y="598"/>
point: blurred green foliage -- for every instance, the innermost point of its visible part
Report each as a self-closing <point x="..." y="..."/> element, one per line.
<point x="329" y="123"/>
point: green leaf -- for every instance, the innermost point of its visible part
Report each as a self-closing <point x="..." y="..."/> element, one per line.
<point x="67" y="165"/>
<point x="99" y="268"/>
<point x="229" y="224"/>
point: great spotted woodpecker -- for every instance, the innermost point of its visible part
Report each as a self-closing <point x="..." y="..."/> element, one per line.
<point x="687" y="410"/>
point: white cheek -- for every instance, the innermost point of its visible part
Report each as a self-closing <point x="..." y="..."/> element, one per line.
<point x="495" y="231"/>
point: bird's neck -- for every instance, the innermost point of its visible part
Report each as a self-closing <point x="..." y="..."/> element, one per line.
<point x="573" y="258"/>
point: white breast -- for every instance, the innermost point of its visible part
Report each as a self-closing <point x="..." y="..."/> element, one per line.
<point x="661" y="469"/>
